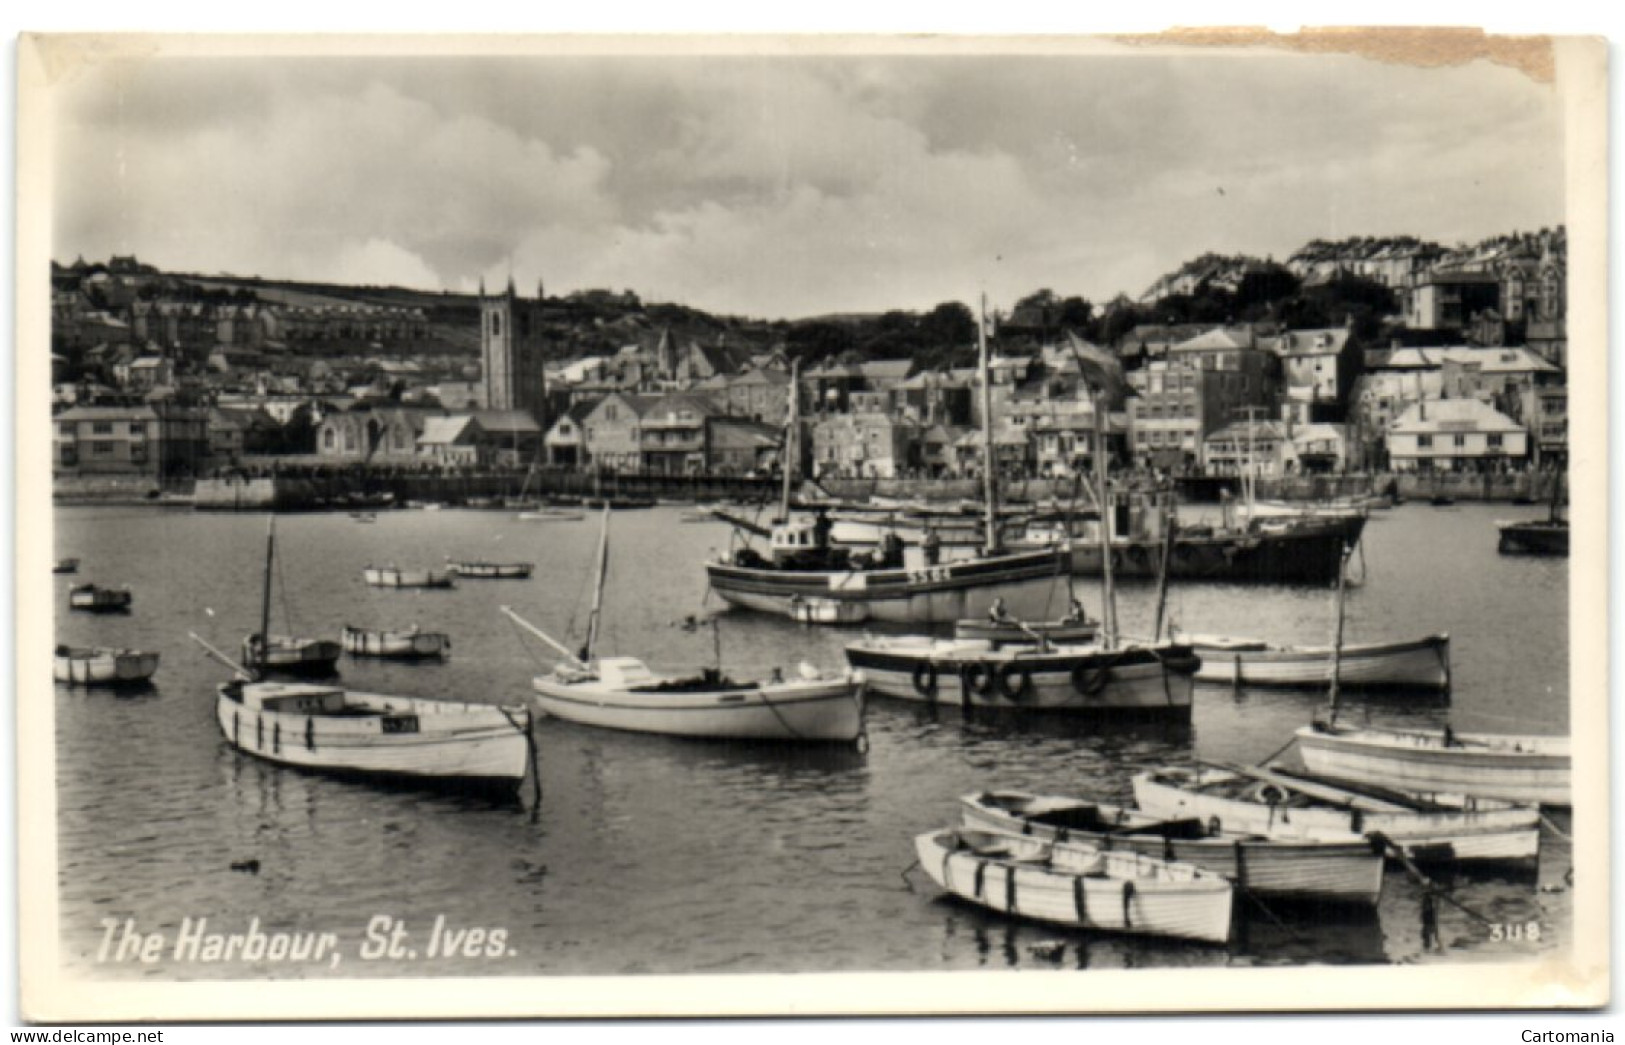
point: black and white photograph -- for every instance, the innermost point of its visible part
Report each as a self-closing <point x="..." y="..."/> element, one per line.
<point x="522" y="526"/>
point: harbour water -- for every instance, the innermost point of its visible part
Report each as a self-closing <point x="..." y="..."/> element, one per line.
<point x="654" y="855"/>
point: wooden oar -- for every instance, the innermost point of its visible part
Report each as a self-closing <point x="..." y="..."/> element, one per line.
<point x="1324" y="792"/>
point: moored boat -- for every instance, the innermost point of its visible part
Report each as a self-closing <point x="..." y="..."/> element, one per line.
<point x="350" y="733"/>
<point x="395" y="577"/>
<point x="479" y="570"/>
<point x="291" y="655"/>
<point x="1069" y="631"/>
<point x="398" y="644"/>
<point x="66" y="566"/>
<point x="1533" y="537"/>
<point x="93" y="599"/>
<point x="1515" y="768"/>
<point x="1275" y="805"/>
<point x="1347" y="871"/>
<point x="1113" y="891"/>
<point x="101" y="666"/>
<point x="1419" y="663"/>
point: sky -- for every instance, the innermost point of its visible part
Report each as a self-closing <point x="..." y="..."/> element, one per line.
<point x="784" y="187"/>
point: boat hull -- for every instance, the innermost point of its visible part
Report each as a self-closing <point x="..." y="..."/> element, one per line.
<point x="1503" y="833"/>
<point x="100" y="600"/>
<point x="104" y="667"/>
<point x="396" y="645"/>
<point x="492" y="571"/>
<point x="1533" y="539"/>
<point x="296" y="657"/>
<point x="1196" y="909"/>
<point x="1302" y="553"/>
<point x="825" y="710"/>
<point x="1422" y="664"/>
<point x="1514" y="769"/>
<point x="393" y="578"/>
<point x="938" y="594"/>
<point x="1334" y="872"/>
<point x="420" y="742"/>
<point x="1076" y="679"/>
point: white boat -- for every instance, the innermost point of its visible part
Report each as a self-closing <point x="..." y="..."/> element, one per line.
<point x="1275" y="805"/>
<point x="399" y="644"/>
<point x="1533" y="769"/>
<point x="1324" y="870"/>
<point x="1076" y="886"/>
<point x="552" y="516"/>
<point x="1131" y="676"/>
<point x="480" y="570"/>
<point x="622" y="693"/>
<point x="100" y="666"/>
<point x="264" y="653"/>
<point x="395" y="577"/>
<point x="349" y="733"/>
<point x="1417" y="664"/>
<point x="91" y="599"/>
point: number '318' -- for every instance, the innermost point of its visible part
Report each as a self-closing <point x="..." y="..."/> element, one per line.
<point x="1515" y="932"/>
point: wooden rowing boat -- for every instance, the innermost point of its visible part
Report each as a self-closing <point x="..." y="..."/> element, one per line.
<point x="91" y="599"/>
<point x="1417" y="664"/>
<point x="1070" y="631"/>
<point x="1519" y="768"/>
<point x="395" y="577"/>
<point x="1112" y="891"/>
<point x="101" y="666"/>
<point x="66" y="566"/>
<point x="1275" y="805"/>
<point x="349" y="733"/>
<point x="480" y="570"/>
<point x="1348" y="871"/>
<point x="267" y="654"/>
<point x="398" y="644"/>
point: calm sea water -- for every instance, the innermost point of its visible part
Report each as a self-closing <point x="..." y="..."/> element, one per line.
<point x="654" y="855"/>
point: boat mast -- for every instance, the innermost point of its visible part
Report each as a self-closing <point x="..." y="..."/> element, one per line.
<point x="1108" y="598"/>
<point x="265" y="594"/>
<point x="1337" y="634"/>
<point x="598" y="590"/>
<point x="790" y="429"/>
<point x="990" y="484"/>
<point x="1162" y="562"/>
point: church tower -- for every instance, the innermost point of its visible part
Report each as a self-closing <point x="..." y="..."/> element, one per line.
<point x="512" y="352"/>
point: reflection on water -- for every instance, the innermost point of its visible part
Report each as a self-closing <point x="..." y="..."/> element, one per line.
<point x="655" y="855"/>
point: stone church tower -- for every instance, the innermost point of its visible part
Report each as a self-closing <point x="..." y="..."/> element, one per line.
<point x="511" y="352"/>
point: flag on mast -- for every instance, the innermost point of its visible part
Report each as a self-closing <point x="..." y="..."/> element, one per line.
<point x="1099" y="369"/>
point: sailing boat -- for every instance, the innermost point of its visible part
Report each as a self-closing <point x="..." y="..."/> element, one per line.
<point x="264" y="653"/>
<point x="623" y="693"/>
<point x="1107" y="675"/>
<point x="805" y="578"/>
<point x="1549" y="536"/>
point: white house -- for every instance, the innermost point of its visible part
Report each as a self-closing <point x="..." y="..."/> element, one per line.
<point x="1453" y="435"/>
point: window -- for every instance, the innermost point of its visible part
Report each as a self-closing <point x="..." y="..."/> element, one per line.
<point x="610" y="412"/>
<point x="138" y="429"/>
<point x="102" y="449"/>
<point x="496" y="324"/>
<point x="1495" y="440"/>
<point x="67" y="428"/>
<point x="1424" y="442"/>
<point x="70" y="456"/>
<point x="1459" y="441"/>
<point x="328" y="439"/>
<point x="102" y="428"/>
<point x="138" y="451"/>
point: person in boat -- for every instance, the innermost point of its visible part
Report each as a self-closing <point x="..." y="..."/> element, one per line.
<point x="997" y="612"/>
<point x="891" y="549"/>
<point x="932" y="545"/>
<point x="1075" y="611"/>
<point x="821" y="529"/>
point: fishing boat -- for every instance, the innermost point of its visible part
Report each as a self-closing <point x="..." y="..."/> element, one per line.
<point x="264" y="653"/>
<point x="350" y="733"/>
<point x="399" y="644"/>
<point x="480" y="570"/>
<point x="1112" y="891"/>
<point x="92" y="599"/>
<point x="623" y="693"/>
<point x="1331" y="871"/>
<point x="395" y="577"/>
<point x="66" y="566"/>
<point x="1274" y="804"/>
<point x="1548" y="536"/>
<point x="805" y="578"/>
<point x="1416" y="664"/>
<point x="1534" y="769"/>
<point x="101" y="666"/>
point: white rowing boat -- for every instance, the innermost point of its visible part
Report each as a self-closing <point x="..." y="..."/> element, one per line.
<point x="395" y="577"/>
<point x="398" y="644"/>
<point x="90" y="598"/>
<point x="1419" y="663"/>
<point x="481" y="570"/>
<point x="100" y="666"/>
<point x="1348" y="871"/>
<point x="1275" y="805"/>
<point x="1078" y="886"/>
<point x="1519" y="768"/>
<point x="345" y="732"/>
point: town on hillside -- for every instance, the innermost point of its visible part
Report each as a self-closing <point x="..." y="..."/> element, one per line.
<point x="1368" y="355"/>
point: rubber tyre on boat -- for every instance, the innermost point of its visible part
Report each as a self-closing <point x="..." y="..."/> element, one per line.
<point x="978" y="678"/>
<point x="1016" y="683"/>
<point x="925" y="678"/>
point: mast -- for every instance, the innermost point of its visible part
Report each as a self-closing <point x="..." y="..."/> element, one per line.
<point x="1162" y="563"/>
<point x="598" y="591"/>
<point x="265" y="595"/>
<point x="989" y="482"/>
<point x="1337" y="634"/>
<point x="790" y="431"/>
<point x="1108" y="598"/>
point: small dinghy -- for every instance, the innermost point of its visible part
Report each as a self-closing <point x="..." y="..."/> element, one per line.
<point x="91" y="599"/>
<point x="100" y="666"/>
<point x="1079" y="886"/>
<point x="499" y="571"/>
<point x="1415" y="664"/>
<point x="66" y="566"/>
<point x="399" y="644"/>
<point x="1071" y="631"/>
<point x="1339" y="872"/>
<point x="395" y="577"/>
<point x="1275" y="804"/>
<point x="1514" y="768"/>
